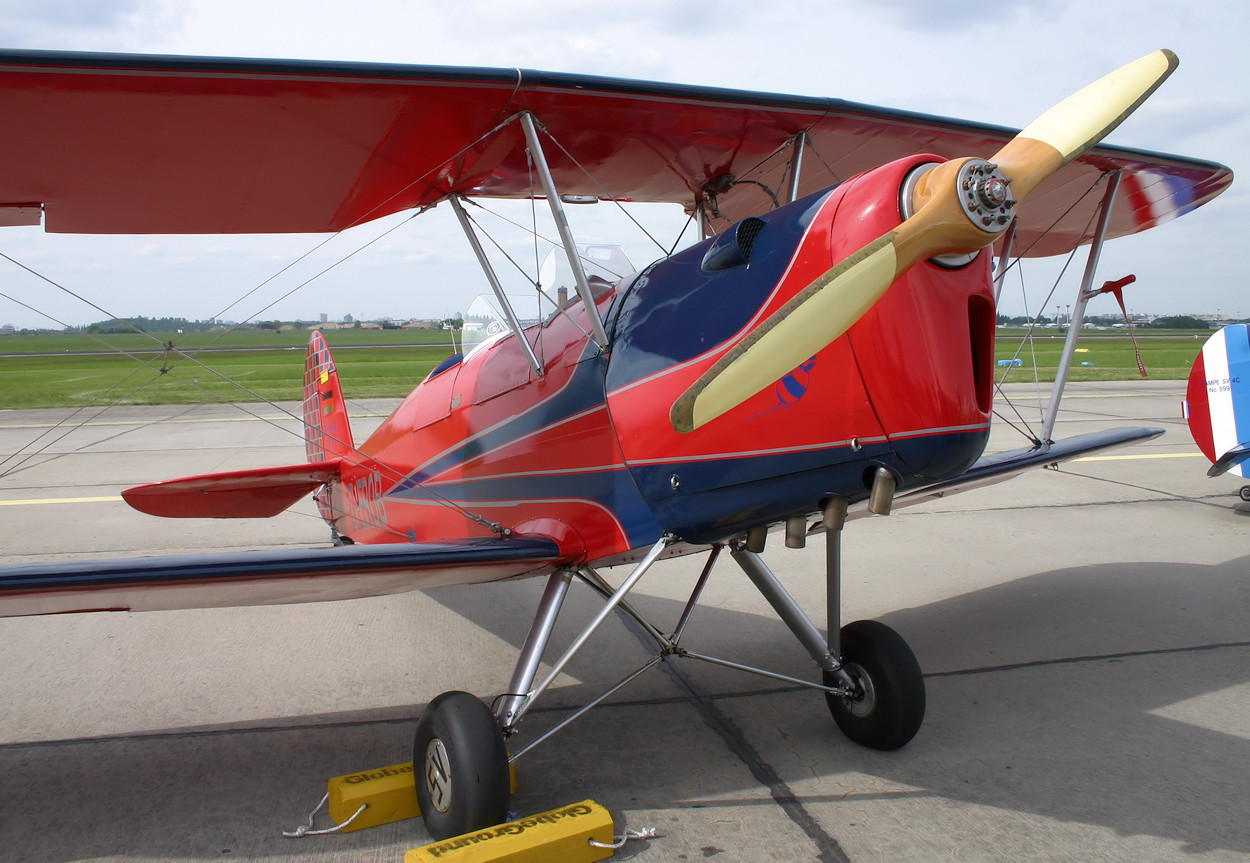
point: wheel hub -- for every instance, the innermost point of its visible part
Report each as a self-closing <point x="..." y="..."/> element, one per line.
<point x="866" y="699"/>
<point x="438" y="775"/>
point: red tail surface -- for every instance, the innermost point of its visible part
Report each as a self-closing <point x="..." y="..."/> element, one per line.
<point x="327" y="433"/>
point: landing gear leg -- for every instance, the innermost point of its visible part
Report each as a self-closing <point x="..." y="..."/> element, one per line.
<point x="888" y="700"/>
<point x="871" y="678"/>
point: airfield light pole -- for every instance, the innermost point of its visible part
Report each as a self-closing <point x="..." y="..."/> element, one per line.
<point x="1083" y="296"/>
<point x="562" y="228"/>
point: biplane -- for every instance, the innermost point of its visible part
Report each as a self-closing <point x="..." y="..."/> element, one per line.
<point x="824" y="351"/>
<point x="1217" y="402"/>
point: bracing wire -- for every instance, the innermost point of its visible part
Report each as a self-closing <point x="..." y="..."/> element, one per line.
<point x="1035" y="319"/>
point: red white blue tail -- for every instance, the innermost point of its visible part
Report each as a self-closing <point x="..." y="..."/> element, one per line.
<point x="1217" y="403"/>
<point x="327" y="433"/>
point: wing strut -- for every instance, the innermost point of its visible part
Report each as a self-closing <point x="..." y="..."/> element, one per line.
<point x="1083" y="296"/>
<point x="1004" y="259"/>
<point x="496" y="285"/>
<point x="797" y="143"/>
<point x="597" y="331"/>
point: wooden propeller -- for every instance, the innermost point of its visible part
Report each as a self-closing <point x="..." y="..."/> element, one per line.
<point x="958" y="207"/>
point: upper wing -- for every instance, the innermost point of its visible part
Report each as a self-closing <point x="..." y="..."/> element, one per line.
<point x="222" y="579"/>
<point x="130" y="144"/>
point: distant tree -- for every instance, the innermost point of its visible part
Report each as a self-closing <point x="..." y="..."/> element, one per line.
<point x="1180" y="322"/>
<point x="147" y="325"/>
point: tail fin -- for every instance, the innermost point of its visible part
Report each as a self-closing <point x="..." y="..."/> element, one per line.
<point x="1218" y="400"/>
<point x="327" y="433"/>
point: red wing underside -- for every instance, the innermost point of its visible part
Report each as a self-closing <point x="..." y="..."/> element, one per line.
<point x="124" y="144"/>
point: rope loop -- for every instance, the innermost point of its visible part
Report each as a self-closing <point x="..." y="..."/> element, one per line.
<point x="307" y="829"/>
<point x="644" y="833"/>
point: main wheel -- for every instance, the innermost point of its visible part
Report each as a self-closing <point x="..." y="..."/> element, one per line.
<point x="1245" y="492"/>
<point x="887" y="711"/>
<point x="461" y="766"/>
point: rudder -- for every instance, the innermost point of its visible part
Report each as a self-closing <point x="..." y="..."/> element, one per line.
<point x="1217" y="405"/>
<point x="327" y="432"/>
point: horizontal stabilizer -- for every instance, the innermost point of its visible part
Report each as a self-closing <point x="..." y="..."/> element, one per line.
<point x="268" y="577"/>
<point x="258" y="493"/>
<point x="1231" y="459"/>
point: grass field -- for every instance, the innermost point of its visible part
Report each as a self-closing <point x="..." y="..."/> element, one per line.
<point x="71" y="370"/>
<point x="1167" y="355"/>
<point x="269" y="365"/>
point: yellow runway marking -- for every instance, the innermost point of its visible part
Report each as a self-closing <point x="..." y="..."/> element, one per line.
<point x="34" y="501"/>
<point x="148" y="422"/>
<point x="1179" y="391"/>
<point x="1142" y="456"/>
<point x="191" y="421"/>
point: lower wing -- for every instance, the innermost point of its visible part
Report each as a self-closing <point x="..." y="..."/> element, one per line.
<point x="268" y="577"/>
<point x="998" y="467"/>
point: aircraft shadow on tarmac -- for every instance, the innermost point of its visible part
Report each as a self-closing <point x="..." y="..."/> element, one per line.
<point x="1054" y="695"/>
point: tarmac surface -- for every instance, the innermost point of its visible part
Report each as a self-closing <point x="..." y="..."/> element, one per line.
<point x="1085" y="637"/>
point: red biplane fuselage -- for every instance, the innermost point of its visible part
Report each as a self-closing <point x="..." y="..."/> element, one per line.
<point x="586" y="454"/>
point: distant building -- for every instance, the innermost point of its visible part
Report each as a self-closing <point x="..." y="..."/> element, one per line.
<point x="485" y="310"/>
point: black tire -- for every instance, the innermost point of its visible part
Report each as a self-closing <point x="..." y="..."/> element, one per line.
<point x="1245" y="492"/>
<point x="461" y="766"/>
<point x="890" y="708"/>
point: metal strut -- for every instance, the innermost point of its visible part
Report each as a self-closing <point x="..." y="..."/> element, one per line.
<point x="522" y="691"/>
<point x="562" y="228"/>
<point x="509" y="709"/>
<point x="495" y="285"/>
<point x="834" y="516"/>
<point x="521" y="697"/>
<point x="824" y="648"/>
<point x="1083" y="295"/>
<point x="796" y="167"/>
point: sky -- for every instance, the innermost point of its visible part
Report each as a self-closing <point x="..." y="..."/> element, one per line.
<point x="1001" y="63"/>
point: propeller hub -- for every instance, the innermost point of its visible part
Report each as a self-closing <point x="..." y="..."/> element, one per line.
<point x="985" y="195"/>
